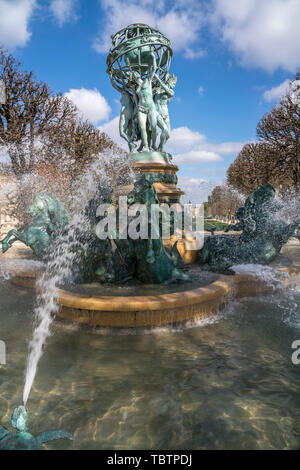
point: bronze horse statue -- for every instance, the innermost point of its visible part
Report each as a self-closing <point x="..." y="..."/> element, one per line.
<point x="49" y="216"/>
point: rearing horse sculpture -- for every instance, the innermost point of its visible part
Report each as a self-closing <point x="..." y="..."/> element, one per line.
<point x="49" y="216"/>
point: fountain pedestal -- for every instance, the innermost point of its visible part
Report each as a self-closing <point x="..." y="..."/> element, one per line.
<point x="159" y="169"/>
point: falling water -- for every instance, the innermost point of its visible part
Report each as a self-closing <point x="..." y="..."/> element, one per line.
<point x="10" y="267"/>
<point x="64" y="257"/>
<point x="58" y="269"/>
<point x="290" y="206"/>
<point x="285" y="295"/>
<point x="270" y="276"/>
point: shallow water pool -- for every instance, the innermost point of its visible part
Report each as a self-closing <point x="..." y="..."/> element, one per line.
<point x="227" y="383"/>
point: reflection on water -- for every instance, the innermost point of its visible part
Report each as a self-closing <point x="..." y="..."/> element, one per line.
<point x="222" y="385"/>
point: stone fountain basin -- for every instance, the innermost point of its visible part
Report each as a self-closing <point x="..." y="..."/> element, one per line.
<point x="152" y="310"/>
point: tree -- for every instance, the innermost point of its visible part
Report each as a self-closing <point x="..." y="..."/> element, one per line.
<point x="280" y="130"/>
<point x="30" y="111"/>
<point x="77" y="146"/>
<point x="275" y="158"/>
<point x="253" y="167"/>
<point x="41" y="130"/>
<point x="224" y="201"/>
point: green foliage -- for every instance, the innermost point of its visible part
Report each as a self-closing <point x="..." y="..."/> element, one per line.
<point x="220" y="226"/>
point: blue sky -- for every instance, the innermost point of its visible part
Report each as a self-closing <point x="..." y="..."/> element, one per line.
<point x="233" y="59"/>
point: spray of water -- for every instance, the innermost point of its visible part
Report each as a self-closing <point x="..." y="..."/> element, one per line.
<point x="285" y="207"/>
<point x="59" y="268"/>
<point x="290" y="206"/>
<point x="284" y="295"/>
<point x="64" y="257"/>
<point x="270" y="276"/>
<point x="10" y="267"/>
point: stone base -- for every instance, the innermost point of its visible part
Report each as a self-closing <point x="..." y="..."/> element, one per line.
<point x="186" y="246"/>
<point x="154" y="310"/>
<point x="162" y="172"/>
<point x="150" y="157"/>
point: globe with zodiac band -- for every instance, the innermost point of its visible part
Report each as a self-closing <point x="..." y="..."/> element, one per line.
<point x="135" y="49"/>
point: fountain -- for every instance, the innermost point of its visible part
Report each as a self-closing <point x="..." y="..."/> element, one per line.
<point x="138" y="66"/>
<point x="106" y="278"/>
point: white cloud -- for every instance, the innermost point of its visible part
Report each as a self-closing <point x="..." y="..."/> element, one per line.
<point x="226" y="148"/>
<point x="189" y="146"/>
<point x="201" y="90"/>
<point x="196" y="189"/>
<point x="197" y="156"/>
<point x="263" y="33"/>
<point x="183" y="138"/>
<point x="14" y="22"/>
<point x="277" y="92"/>
<point x="111" y="128"/>
<point x="91" y="103"/>
<point x="181" y="23"/>
<point x="64" y="10"/>
<point x="194" y="53"/>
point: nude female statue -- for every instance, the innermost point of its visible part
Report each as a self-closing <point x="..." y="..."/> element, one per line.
<point x="161" y="99"/>
<point x="146" y="110"/>
<point x="126" y="115"/>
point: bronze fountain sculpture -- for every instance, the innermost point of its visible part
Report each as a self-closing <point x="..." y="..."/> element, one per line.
<point x="138" y="66"/>
<point x="22" y="439"/>
<point x="263" y="234"/>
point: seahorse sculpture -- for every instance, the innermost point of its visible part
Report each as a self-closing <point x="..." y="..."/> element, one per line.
<point x="263" y="234"/>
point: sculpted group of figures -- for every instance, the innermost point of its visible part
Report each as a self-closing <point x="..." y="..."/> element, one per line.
<point x="118" y="260"/>
<point x="263" y="234"/>
<point x="144" y="107"/>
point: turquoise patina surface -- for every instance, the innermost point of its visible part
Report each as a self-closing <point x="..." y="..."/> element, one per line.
<point x="123" y="258"/>
<point x="49" y="217"/>
<point x="138" y="65"/>
<point x="263" y="234"/>
<point x="22" y="439"/>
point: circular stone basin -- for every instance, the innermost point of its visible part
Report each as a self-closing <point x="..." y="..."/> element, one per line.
<point x="145" y="306"/>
